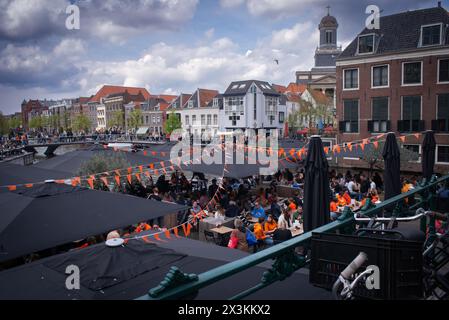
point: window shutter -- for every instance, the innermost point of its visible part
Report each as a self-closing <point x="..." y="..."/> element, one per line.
<point x="370" y="126"/>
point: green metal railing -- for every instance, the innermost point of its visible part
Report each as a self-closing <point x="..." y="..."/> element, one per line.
<point x="178" y="285"/>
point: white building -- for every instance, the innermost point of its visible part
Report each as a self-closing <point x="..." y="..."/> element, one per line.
<point x="254" y="105"/>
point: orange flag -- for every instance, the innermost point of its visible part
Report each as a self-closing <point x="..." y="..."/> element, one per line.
<point x="362" y="145"/>
<point x="75" y="181"/>
<point x="156" y="236"/>
<point x="60" y="181"/>
<point x="156" y="172"/>
<point x="176" y="232"/>
<point x="130" y="170"/>
<point x="417" y="135"/>
<point x="326" y="150"/>
<point x="130" y="179"/>
<point x="186" y="229"/>
<point x="402" y="138"/>
<point x="153" y="153"/>
<point x="151" y="165"/>
<point x="29" y="185"/>
<point x="145" y="153"/>
<point x="376" y="144"/>
<point x="146" y="239"/>
<point x="167" y="234"/>
<point x="117" y="172"/>
<point x="141" y="169"/>
<point x="350" y="146"/>
<point x="138" y="177"/>
<point x="90" y="181"/>
<point x="117" y="180"/>
<point x="12" y="188"/>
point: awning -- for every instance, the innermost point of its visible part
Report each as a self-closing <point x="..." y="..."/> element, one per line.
<point x="143" y="130"/>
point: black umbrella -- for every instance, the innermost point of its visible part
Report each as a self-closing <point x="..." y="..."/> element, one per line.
<point x="50" y="215"/>
<point x="316" y="187"/>
<point x="12" y="174"/>
<point x="128" y="272"/>
<point x="428" y="155"/>
<point x="392" y="170"/>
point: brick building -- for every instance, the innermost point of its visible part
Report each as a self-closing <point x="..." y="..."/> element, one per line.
<point x="396" y="79"/>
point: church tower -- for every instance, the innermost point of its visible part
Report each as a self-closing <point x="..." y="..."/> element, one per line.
<point x="328" y="50"/>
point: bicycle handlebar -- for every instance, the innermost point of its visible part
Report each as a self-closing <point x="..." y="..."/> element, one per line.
<point x="354" y="265"/>
<point x="420" y="213"/>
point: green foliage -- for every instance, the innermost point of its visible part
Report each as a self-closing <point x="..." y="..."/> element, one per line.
<point x="14" y="122"/>
<point x="36" y="122"/>
<point x="3" y="125"/>
<point x="103" y="162"/>
<point x="373" y="157"/>
<point x="81" y="123"/>
<point x="135" y="119"/>
<point x="173" y="122"/>
<point x="117" y="119"/>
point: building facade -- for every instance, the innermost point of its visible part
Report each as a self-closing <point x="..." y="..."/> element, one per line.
<point x="397" y="79"/>
<point x="252" y="104"/>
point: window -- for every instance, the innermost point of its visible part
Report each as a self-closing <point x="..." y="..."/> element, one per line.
<point x="209" y="119"/>
<point x="411" y="114"/>
<point x="366" y="44"/>
<point x="351" y="116"/>
<point x="187" y="120"/>
<point x="441" y="124"/>
<point x="380" y="116"/>
<point x="203" y="120"/>
<point x="234" y="105"/>
<point x="416" y="149"/>
<point x="281" y="117"/>
<point x="215" y="119"/>
<point x="215" y="103"/>
<point x="271" y="107"/>
<point x="351" y="79"/>
<point x="442" y="154"/>
<point x="431" y="35"/>
<point x="255" y="105"/>
<point x="329" y="34"/>
<point x="193" y="120"/>
<point x="411" y="73"/>
<point x="380" y="76"/>
<point x="443" y="70"/>
<point x="190" y="104"/>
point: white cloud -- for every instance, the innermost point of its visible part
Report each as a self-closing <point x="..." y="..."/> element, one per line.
<point x="272" y="8"/>
<point x="231" y="3"/>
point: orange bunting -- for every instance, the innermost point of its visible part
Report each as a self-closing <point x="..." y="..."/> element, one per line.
<point x="145" y="153"/>
<point x="138" y="177"/>
<point x="362" y="145"/>
<point x="376" y="144"/>
<point x="130" y="170"/>
<point x="186" y="229"/>
<point x="12" y="188"/>
<point x="151" y="165"/>
<point x="76" y="181"/>
<point x="146" y="239"/>
<point x="402" y="138"/>
<point x="156" y="236"/>
<point x="60" y="181"/>
<point x="167" y="234"/>
<point x="117" y="180"/>
<point x="153" y="153"/>
<point x="141" y="169"/>
<point x="417" y="135"/>
<point x="91" y="183"/>
<point x="176" y="232"/>
<point x="117" y="172"/>
<point x="326" y="150"/>
<point x="130" y="179"/>
<point x="350" y="146"/>
<point x="29" y="185"/>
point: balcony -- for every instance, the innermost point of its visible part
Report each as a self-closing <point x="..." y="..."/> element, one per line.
<point x="379" y="126"/>
<point x="411" y="125"/>
<point x="349" y="126"/>
<point x="441" y="125"/>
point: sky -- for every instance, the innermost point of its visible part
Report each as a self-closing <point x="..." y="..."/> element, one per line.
<point x="166" y="46"/>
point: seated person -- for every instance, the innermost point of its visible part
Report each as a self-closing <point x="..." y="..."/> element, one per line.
<point x="334" y="205"/>
<point x="341" y="199"/>
<point x="270" y="225"/>
<point x="143" y="226"/>
<point x="233" y="210"/>
<point x="260" y="234"/>
<point x="258" y="211"/>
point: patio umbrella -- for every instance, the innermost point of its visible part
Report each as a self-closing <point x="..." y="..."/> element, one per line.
<point x="316" y="187"/>
<point x="50" y="215"/>
<point x="428" y="155"/>
<point x="392" y="170"/>
<point x="129" y="271"/>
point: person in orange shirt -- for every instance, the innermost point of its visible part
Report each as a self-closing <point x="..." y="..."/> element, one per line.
<point x="333" y="205"/>
<point x="347" y="198"/>
<point x="260" y="233"/>
<point x="341" y="199"/>
<point x="142" y="227"/>
<point x="270" y="225"/>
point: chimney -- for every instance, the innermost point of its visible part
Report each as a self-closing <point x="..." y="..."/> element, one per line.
<point x="439" y="4"/>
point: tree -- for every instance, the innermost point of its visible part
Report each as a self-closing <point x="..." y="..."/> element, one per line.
<point x="135" y="119"/>
<point x="36" y="122"/>
<point x="3" y="125"/>
<point x="173" y="122"/>
<point x="14" y="122"/>
<point x="117" y="119"/>
<point x="81" y="123"/>
<point x="373" y="157"/>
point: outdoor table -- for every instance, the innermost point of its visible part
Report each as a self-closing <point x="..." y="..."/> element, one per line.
<point x="212" y="223"/>
<point x="297" y="232"/>
<point x="222" y="230"/>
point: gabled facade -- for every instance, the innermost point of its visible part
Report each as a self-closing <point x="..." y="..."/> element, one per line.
<point x="251" y="104"/>
<point x="397" y="79"/>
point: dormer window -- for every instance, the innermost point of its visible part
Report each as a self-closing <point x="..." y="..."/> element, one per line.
<point x="431" y="35"/>
<point x="190" y="104"/>
<point x="366" y="44"/>
<point x="215" y="103"/>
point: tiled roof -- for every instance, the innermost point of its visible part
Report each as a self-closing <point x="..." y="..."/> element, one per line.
<point x="296" y="88"/>
<point x="319" y="96"/>
<point x="167" y="97"/>
<point x="206" y="96"/>
<point x="401" y="32"/>
<point x="242" y="87"/>
<point x="108" y="90"/>
<point x="279" y="88"/>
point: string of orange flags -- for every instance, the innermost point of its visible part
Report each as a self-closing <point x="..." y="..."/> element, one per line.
<point x="170" y="166"/>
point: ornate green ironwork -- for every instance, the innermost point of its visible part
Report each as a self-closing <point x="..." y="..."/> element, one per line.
<point x="174" y="277"/>
<point x="283" y="267"/>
